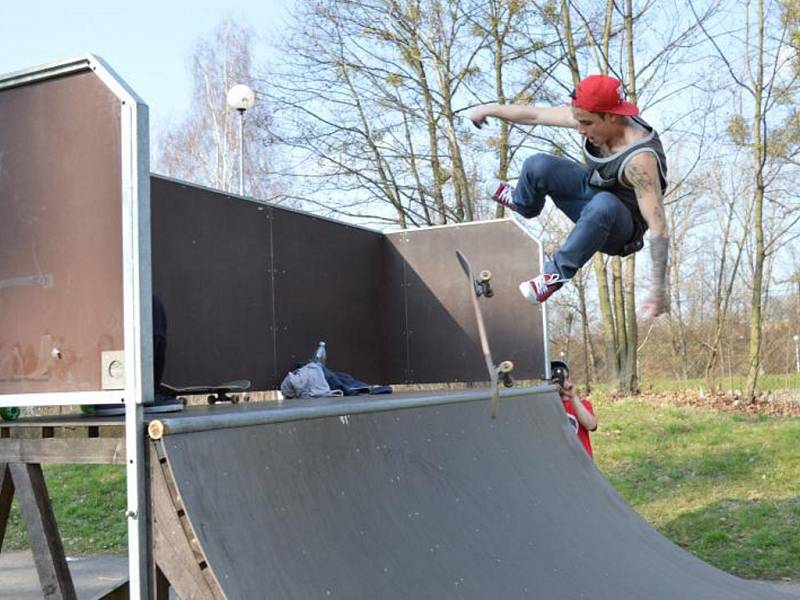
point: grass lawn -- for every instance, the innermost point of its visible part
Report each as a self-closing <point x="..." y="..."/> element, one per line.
<point x="89" y="505"/>
<point x="720" y="484"/>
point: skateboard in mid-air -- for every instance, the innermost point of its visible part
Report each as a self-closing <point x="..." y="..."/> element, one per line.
<point x="482" y="286"/>
<point x="216" y="393"/>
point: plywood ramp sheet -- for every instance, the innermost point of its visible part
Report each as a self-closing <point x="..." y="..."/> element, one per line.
<point x="436" y="501"/>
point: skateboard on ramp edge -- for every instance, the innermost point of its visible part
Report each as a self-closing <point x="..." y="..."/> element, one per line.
<point x="482" y="286"/>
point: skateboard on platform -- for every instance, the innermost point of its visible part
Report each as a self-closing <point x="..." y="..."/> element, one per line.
<point x="216" y="393"/>
<point x="482" y="286"/>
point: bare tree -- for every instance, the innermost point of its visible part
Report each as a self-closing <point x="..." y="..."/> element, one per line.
<point x="759" y="67"/>
<point x="682" y="222"/>
<point x="203" y="148"/>
<point x="514" y="36"/>
<point x="370" y="102"/>
<point x="731" y="249"/>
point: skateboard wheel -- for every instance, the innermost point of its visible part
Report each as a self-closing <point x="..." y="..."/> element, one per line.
<point x="212" y="400"/>
<point x="484" y="284"/>
<point x="87" y="409"/>
<point x="9" y="413"/>
<point x="505" y="367"/>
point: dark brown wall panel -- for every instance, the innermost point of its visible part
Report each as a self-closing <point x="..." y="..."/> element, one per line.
<point x="250" y="289"/>
<point x="60" y="234"/>
<point x="211" y="269"/>
<point x="431" y="303"/>
<point x="328" y="281"/>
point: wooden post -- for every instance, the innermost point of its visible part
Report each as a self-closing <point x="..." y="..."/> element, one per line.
<point x="48" y="551"/>
<point x="162" y="585"/>
<point x="6" y="495"/>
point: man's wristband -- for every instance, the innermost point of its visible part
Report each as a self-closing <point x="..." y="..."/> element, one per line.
<point x="659" y="250"/>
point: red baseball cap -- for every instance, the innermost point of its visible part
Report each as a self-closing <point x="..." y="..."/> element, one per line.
<point x="602" y="94"/>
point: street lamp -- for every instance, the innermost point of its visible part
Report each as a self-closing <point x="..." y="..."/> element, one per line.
<point x="796" y="339"/>
<point x="241" y="98"/>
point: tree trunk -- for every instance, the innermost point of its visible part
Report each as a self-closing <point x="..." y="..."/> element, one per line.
<point x="759" y="143"/>
<point x="618" y="296"/>
<point x="610" y="340"/>
<point x="503" y="141"/>
<point x="580" y="286"/>
<point x="630" y="381"/>
<point x="630" y="352"/>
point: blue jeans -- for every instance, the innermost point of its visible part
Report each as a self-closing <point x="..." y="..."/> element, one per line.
<point x="602" y="222"/>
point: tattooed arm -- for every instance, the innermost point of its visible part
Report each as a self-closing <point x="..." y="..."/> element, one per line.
<point x="642" y="174"/>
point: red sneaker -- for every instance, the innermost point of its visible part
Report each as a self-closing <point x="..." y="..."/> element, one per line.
<point x="503" y="194"/>
<point x="541" y="287"/>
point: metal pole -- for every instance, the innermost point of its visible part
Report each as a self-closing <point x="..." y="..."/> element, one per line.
<point x="240" y="98"/>
<point x="241" y="152"/>
<point x="344" y="408"/>
<point x="797" y="353"/>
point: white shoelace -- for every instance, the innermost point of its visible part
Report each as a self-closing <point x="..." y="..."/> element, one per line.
<point x="543" y="281"/>
<point x="505" y="197"/>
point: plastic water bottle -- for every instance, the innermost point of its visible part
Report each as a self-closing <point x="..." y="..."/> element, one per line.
<point x="320" y="355"/>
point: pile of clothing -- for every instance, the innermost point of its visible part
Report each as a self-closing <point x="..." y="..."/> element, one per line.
<point x="315" y="380"/>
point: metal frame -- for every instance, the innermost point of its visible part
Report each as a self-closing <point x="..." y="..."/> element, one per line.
<point x="545" y="335"/>
<point x="137" y="293"/>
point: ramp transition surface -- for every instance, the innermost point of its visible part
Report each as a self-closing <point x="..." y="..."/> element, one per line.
<point x="433" y="501"/>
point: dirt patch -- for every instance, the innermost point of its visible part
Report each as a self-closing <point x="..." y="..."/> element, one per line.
<point x="784" y="403"/>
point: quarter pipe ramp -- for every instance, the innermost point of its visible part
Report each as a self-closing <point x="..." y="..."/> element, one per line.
<point x="413" y="496"/>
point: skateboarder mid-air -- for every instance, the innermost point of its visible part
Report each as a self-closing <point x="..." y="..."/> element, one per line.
<point x="612" y="200"/>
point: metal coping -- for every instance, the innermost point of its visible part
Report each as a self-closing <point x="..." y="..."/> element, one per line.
<point x="346" y="408"/>
<point x="44" y="72"/>
<point x="84" y="62"/>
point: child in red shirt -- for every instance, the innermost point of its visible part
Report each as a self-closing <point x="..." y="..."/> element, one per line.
<point x="579" y="410"/>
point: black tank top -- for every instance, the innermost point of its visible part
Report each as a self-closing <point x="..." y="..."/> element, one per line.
<point x="605" y="172"/>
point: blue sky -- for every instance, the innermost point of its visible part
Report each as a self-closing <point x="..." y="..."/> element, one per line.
<point x="146" y="42"/>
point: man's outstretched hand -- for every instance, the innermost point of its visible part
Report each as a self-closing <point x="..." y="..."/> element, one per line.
<point x="656" y="304"/>
<point x="478" y="116"/>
